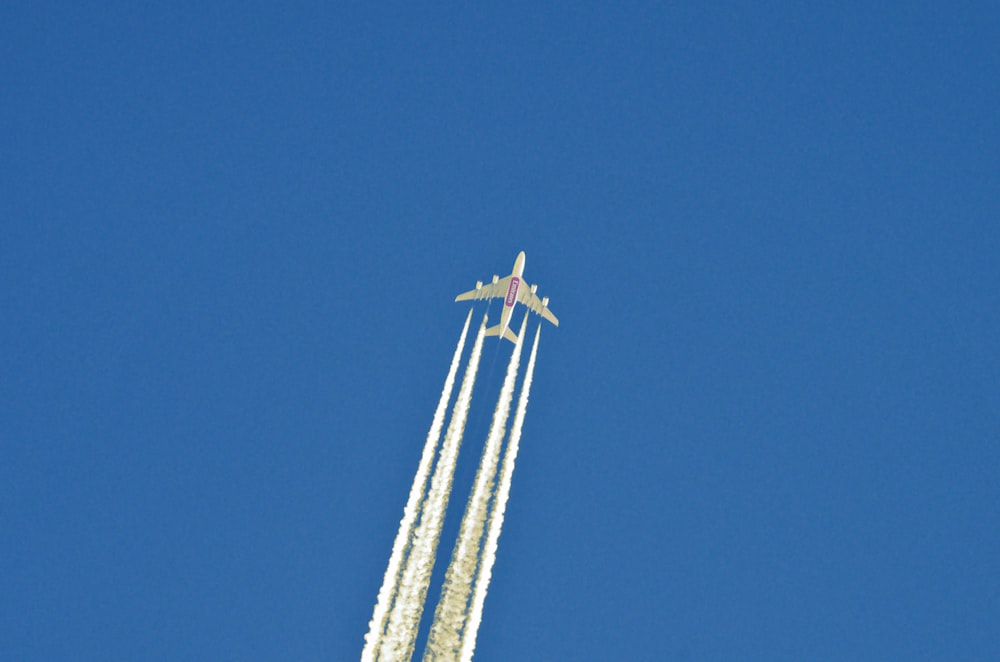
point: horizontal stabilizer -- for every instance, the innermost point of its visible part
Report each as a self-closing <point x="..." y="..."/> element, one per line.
<point x="508" y="334"/>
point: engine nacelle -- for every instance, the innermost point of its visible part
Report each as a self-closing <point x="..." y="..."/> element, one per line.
<point x="495" y="279"/>
<point x="479" y="284"/>
<point x="545" y="301"/>
<point x="534" y="288"/>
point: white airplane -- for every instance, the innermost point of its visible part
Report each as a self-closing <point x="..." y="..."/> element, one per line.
<point x="512" y="289"/>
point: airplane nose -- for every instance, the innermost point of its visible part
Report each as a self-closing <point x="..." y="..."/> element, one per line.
<point x="519" y="264"/>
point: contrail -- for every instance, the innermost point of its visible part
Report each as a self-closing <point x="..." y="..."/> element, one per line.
<point x="449" y="618"/>
<point x="497" y="514"/>
<point x="404" y="619"/>
<point x="402" y="544"/>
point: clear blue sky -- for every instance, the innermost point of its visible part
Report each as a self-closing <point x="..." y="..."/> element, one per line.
<point x="768" y="426"/>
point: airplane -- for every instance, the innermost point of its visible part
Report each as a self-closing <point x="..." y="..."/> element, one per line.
<point x="512" y="289"/>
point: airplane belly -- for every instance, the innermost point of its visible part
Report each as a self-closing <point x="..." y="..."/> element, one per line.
<point x="511" y="299"/>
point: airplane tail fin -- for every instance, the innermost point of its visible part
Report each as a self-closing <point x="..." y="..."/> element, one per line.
<point x="508" y="334"/>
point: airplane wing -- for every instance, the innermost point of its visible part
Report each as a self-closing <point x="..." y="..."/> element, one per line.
<point x="529" y="299"/>
<point x="487" y="291"/>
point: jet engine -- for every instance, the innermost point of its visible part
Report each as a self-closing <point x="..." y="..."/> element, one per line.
<point x="495" y="279"/>
<point x="534" y="288"/>
<point x="545" y="301"/>
<point x="479" y="284"/>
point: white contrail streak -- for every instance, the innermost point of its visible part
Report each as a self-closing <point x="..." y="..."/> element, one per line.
<point x="497" y="514"/>
<point x="403" y="540"/>
<point x="450" y="616"/>
<point x="404" y="619"/>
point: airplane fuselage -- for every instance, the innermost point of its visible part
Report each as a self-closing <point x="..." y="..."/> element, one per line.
<point x="511" y="299"/>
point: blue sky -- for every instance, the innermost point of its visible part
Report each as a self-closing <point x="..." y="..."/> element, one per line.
<point x="230" y="239"/>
